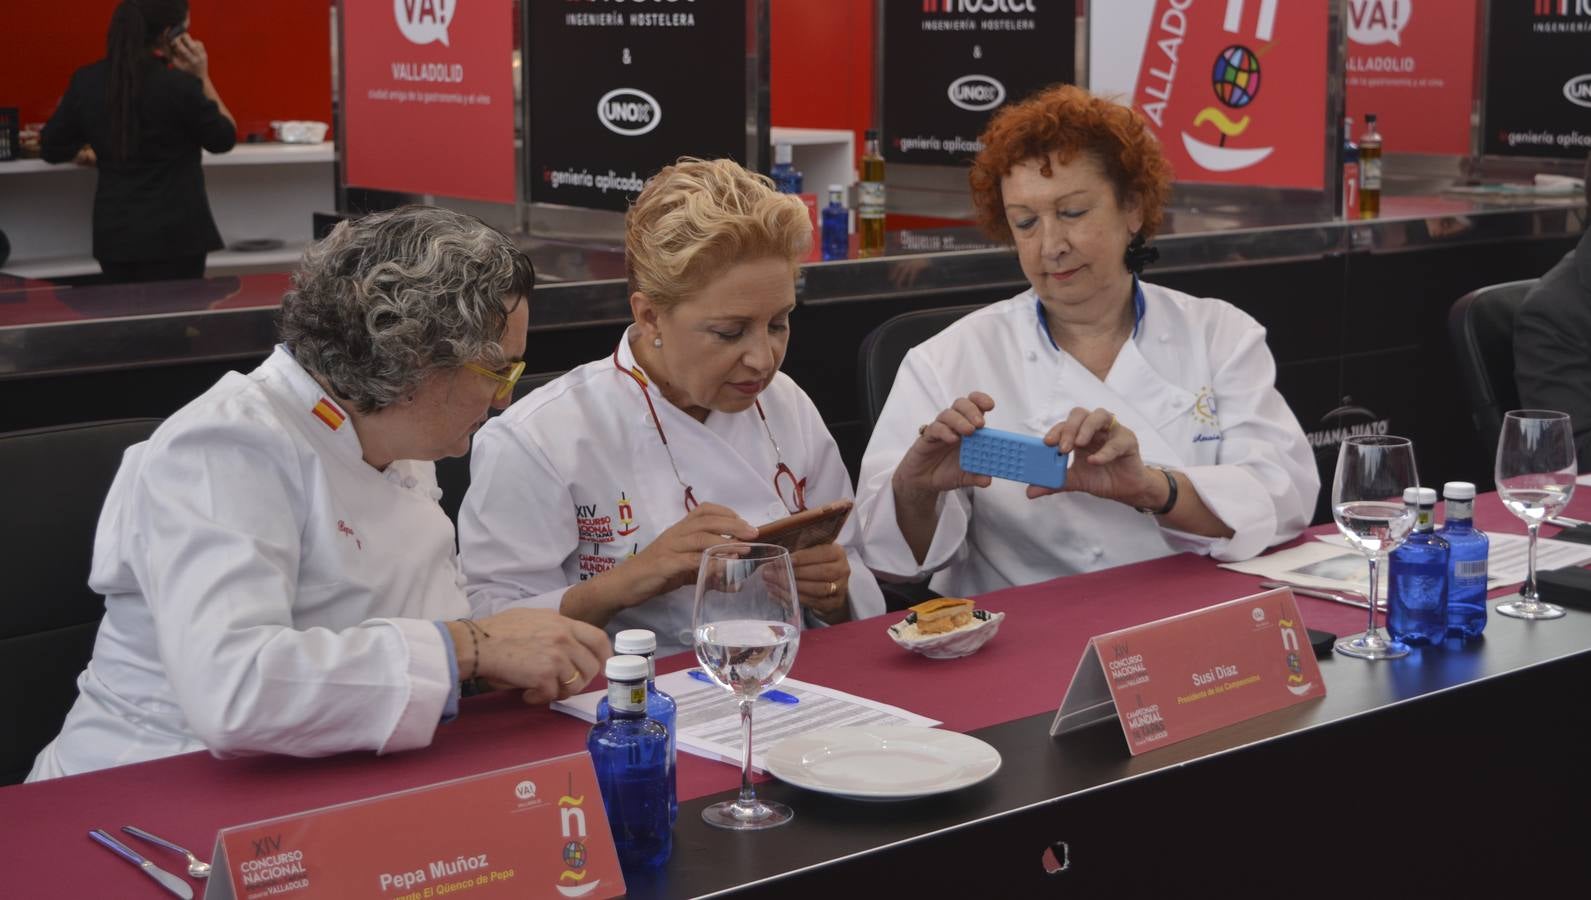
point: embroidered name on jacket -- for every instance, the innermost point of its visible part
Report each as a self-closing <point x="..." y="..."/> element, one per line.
<point x="348" y="531"/>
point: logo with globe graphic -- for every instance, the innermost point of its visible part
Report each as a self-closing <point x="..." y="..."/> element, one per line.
<point x="574" y="855"/>
<point x="1236" y="76"/>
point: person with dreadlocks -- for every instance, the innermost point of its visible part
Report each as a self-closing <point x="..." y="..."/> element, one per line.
<point x="141" y="115"/>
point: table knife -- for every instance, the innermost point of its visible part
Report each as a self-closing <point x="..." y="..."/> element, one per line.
<point x="165" y="879"/>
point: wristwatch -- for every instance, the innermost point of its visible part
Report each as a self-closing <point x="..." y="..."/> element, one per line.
<point x="1171" y="496"/>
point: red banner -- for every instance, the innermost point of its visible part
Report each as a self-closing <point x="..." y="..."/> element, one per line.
<point x="428" y="96"/>
<point x="1411" y="62"/>
<point x="1235" y="89"/>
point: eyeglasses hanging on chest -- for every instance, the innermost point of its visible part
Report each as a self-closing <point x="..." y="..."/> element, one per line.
<point x="791" y="490"/>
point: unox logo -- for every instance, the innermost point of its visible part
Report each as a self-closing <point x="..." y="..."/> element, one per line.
<point x="977" y="93"/>
<point x="1378" y="21"/>
<point x="424" y="21"/>
<point x="1577" y="90"/>
<point x="1236" y="80"/>
<point x="629" y="111"/>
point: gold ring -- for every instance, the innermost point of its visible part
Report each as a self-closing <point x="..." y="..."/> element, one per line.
<point x="571" y="679"/>
<point x="833" y="589"/>
<point x="1112" y="425"/>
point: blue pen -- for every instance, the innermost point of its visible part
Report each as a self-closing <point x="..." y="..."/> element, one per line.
<point x="770" y="694"/>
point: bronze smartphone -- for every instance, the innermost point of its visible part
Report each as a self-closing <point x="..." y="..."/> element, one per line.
<point x="808" y="528"/>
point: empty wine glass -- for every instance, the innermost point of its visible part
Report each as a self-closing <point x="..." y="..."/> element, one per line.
<point x="1367" y="502"/>
<point x="1535" y="477"/>
<point x="747" y="626"/>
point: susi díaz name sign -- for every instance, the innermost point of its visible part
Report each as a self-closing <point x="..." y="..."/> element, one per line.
<point x="1179" y="677"/>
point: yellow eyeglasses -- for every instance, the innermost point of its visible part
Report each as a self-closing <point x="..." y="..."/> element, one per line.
<point x="508" y="381"/>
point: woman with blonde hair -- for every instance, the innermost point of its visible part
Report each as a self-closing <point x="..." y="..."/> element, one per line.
<point x="596" y="494"/>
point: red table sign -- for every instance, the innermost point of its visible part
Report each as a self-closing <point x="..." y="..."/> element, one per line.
<point x="535" y="830"/>
<point x="1180" y="677"/>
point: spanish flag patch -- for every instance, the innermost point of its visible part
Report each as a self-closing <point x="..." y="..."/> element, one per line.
<point x="327" y="412"/>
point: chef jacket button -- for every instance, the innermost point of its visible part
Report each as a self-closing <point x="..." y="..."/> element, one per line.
<point x="410" y="481"/>
<point x="1032" y="357"/>
<point x="686" y="638"/>
<point x="1165" y="339"/>
<point x="1097" y="551"/>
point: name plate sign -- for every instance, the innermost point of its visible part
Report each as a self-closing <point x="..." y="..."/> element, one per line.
<point x="536" y="830"/>
<point x="1176" y="678"/>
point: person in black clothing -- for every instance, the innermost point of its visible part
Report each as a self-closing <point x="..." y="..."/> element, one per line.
<point x="1552" y="341"/>
<point x="141" y="115"/>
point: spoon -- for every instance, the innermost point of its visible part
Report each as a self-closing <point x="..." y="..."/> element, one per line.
<point x="197" y="868"/>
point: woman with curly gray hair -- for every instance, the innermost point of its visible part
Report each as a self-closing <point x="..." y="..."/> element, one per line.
<point x="278" y="576"/>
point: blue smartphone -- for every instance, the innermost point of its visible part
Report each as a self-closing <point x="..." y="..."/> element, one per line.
<point x="1014" y="457"/>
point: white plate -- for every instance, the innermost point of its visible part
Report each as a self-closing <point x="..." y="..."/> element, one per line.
<point x="883" y="762"/>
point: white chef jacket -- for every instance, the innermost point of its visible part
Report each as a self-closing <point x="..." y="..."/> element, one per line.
<point x="266" y="589"/>
<point x="573" y="479"/>
<point x="1196" y="383"/>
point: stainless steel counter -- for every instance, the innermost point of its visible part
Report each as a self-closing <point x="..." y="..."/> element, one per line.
<point x="46" y="329"/>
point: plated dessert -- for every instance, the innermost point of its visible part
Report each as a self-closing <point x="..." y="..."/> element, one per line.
<point x="946" y="628"/>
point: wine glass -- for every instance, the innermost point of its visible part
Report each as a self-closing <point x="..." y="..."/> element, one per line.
<point x="747" y="626"/>
<point x="1535" y="476"/>
<point x="1367" y="501"/>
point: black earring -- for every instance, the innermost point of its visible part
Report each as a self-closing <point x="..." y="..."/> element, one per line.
<point x="1140" y="254"/>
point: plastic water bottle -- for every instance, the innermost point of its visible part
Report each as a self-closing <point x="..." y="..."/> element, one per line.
<point x="836" y="225"/>
<point x="630" y="753"/>
<point x="659" y="705"/>
<point x="786" y="177"/>
<point x="1466" y="569"/>
<point x="1417" y="577"/>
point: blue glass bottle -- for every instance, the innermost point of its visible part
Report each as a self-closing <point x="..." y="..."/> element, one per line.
<point x="659" y="705"/>
<point x="786" y="178"/>
<point x="836" y="225"/>
<point x="630" y="754"/>
<point x="1417" y="577"/>
<point x="1466" y="569"/>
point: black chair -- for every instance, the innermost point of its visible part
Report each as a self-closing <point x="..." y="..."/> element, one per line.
<point x="877" y="364"/>
<point x="885" y="347"/>
<point x="55" y="481"/>
<point x="453" y="472"/>
<point x="1481" y="327"/>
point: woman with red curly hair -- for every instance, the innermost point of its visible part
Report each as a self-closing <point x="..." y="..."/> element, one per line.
<point x="1166" y="402"/>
